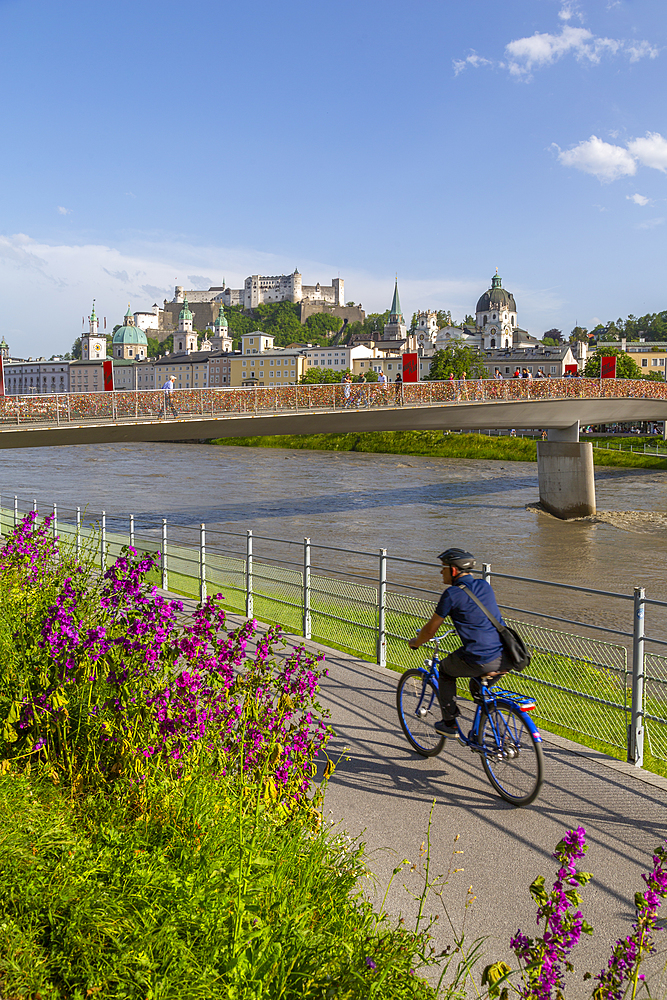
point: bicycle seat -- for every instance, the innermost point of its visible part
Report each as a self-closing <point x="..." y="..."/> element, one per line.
<point x="484" y="682"/>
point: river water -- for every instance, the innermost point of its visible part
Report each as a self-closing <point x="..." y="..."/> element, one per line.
<point x="414" y="507"/>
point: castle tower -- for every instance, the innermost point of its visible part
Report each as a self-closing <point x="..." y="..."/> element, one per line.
<point x="395" y="329"/>
<point x="93" y="347"/>
<point x="4" y="350"/>
<point x="185" y="339"/>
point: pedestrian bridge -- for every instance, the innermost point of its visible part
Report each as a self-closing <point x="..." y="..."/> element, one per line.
<point x="565" y="465"/>
<point x="555" y="404"/>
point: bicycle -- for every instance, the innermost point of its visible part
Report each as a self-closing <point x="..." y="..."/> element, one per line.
<point x="502" y="733"/>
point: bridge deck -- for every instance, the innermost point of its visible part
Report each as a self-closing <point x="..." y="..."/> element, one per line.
<point x="205" y="413"/>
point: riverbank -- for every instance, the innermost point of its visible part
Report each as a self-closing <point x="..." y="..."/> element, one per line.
<point x="436" y="444"/>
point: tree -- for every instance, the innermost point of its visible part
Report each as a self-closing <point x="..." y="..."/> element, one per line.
<point x="549" y="342"/>
<point x="320" y="326"/>
<point x="444" y="318"/>
<point x="457" y="360"/>
<point x="322" y="376"/>
<point x="555" y="337"/>
<point x="579" y="335"/>
<point x="469" y="320"/>
<point x="626" y="367"/>
<point x="76" y="349"/>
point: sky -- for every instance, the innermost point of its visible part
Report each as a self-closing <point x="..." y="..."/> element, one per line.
<point x="151" y="144"/>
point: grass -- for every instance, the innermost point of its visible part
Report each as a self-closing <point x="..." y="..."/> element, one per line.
<point x="436" y="444"/>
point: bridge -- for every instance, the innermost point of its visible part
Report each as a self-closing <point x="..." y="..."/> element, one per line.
<point x="565" y="465"/>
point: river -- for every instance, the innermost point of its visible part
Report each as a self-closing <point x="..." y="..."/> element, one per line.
<point x="415" y="507"/>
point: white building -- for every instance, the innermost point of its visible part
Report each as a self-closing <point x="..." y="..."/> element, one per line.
<point x="93" y="347"/>
<point x="33" y="377"/>
<point x="260" y="288"/>
<point x="337" y="358"/>
<point x="427" y="329"/>
<point x="148" y="320"/>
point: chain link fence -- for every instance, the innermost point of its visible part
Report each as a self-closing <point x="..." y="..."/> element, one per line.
<point x="584" y="686"/>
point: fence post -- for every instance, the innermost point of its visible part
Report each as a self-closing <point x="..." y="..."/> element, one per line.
<point x="54" y="523"/>
<point x="636" y="727"/>
<point x="486" y="572"/>
<point x="131" y="531"/>
<point x="165" y="571"/>
<point x="77" y="544"/>
<point x="306" y="589"/>
<point x="103" y="542"/>
<point x="69" y="415"/>
<point x="202" y="562"/>
<point x="16" y="510"/>
<point x="58" y="411"/>
<point x="382" y="604"/>
<point x="248" y="575"/>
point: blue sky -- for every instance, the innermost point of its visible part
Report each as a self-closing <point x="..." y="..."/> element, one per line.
<point x="148" y="144"/>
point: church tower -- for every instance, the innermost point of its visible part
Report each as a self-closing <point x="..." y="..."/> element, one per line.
<point x="185" y="339"/>
<point x="221" y="341"/>
<point x="496" y="316"/>
<point x="93" y="347"/>
<point x="395" y="329"/>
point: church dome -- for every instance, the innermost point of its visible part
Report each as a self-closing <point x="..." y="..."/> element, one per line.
<point x="129" y="333"/>
<point x="185" y="312"/>
<point x="496" y="297"/>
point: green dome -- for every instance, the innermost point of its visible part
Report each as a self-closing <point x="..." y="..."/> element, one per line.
<point x="222" y="319"/>
<point x="185" y="312"/>
<point x="496" y="298"/>
<point x="130" y="334"/>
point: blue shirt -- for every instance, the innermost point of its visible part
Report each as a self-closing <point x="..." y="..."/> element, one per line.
<point x="481" y="642"/>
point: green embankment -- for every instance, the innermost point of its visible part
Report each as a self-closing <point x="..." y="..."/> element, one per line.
<point x="435" y="444"/>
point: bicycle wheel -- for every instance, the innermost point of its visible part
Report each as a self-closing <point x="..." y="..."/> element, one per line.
<point x="512" y="758"/>
<point x="418" y="710"/>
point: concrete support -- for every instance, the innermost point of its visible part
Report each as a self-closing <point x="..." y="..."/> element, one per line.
<point x="566" y="480"/>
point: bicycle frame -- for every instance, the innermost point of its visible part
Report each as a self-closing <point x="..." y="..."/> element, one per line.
<point x="489" y="699"/>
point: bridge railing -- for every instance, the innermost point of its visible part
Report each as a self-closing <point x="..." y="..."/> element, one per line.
<point x="148" y="404"/>
<point x="602" y="682"/>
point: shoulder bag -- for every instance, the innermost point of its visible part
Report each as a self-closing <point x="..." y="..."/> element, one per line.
<point x="516" y="653"/>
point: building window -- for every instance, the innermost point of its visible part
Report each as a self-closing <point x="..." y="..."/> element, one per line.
<point x="553" y="369"/>
<point x="484" y="321"/>
<point x="493" y="342"/>
<point x="644" y="363"/>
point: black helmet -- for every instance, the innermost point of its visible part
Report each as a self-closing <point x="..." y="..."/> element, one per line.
<point x="458" y="557"/>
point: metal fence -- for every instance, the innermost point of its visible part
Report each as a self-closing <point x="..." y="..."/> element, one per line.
<point x="148" y="404"/>
<point x="602" y="684"/>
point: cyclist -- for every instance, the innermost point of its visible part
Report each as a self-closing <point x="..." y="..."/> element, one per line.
<point x="481" y="652"/>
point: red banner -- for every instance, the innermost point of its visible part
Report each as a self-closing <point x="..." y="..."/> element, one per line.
<point x="410" y="370"/>
<point x="108" y="375"/>
<point x="2" y="378"/>
<point x="572" y="369"/>
<point x="608" y="366"/>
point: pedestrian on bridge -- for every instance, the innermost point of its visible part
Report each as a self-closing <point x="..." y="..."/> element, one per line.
<point x="347" y="389"/>
<point x="497" y="374"/>
<point x="167" y="390"/>
<point x="398" y="389"/>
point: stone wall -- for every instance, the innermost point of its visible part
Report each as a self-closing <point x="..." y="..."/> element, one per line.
<point x="353" y="314"/>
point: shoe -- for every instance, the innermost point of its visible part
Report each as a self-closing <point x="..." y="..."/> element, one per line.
<point x="446" y="727"/>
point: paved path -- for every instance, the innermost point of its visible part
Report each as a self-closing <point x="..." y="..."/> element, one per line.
<point x="382" y="792"/>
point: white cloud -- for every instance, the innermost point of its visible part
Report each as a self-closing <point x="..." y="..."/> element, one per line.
<point x="638" y="199"/>
<point x="650" y="224"/>
<point x="608" y="162"/>
<point x="641" y="50"/>
<point x="602" y="159"/>
<point x="651" y="150"/>
<point x="64" y="211"/>
<point x="524" y="55"/>
<point x="472" y="60"/>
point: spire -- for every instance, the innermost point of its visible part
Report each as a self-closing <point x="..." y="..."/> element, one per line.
<point x="221" y="321"/>
<point x="396" y="302"/>
<point x="496" y="281"/>
<point x="129" y="311"/>
<point x="93" y="317"/>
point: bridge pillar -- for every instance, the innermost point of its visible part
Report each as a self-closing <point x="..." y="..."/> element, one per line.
<point x="565" y="473"/>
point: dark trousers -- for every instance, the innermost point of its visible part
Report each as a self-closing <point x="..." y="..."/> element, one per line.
<point x="454" y="666"/>
<point x="168" y="402"/>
